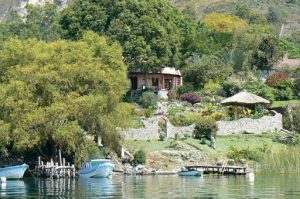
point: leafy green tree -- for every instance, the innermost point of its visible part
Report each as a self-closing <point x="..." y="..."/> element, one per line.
<point x="54" y="94"/>
<point x="151" y="32"/>
<point x="200" y="70"/>
<point x="267" y="53"/>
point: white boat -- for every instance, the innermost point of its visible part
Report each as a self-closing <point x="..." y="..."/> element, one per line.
<point x="186" y="172"/>
<point x="97" y="168"/>
<point x="13" y="172"/>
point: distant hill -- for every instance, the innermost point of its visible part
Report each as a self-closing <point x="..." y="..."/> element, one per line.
<point x="7" y="6"/>
<point x="289" y="10"/>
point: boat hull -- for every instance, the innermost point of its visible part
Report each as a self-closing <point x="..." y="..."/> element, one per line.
<point x="190" y="173"/>
<point x="102" y="170"/>
<point x="14" y="172"/>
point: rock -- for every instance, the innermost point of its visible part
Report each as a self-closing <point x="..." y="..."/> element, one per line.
<point x="139" y="167"/>
<point x="243" y="161"/>
<point x="220" y="162"/>
<point x="230" y="162"/>
<point x="128" y="169"/>
<point x="163" y="94"/>
<point x="184" y="156"/>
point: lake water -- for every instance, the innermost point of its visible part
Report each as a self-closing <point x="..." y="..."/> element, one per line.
<point x="119" y="186"/>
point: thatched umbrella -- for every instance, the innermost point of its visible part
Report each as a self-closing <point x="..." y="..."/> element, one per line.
<point x="245" y="98"/>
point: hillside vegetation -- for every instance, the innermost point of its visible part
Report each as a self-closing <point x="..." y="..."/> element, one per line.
<point x="287" y="10"/>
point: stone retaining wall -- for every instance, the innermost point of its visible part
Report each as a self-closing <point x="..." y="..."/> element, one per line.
<point x="248" y="125"/>
<point x="244" y="125"/>
<point x="180" y="130"/>
<point x="149" y="132"/>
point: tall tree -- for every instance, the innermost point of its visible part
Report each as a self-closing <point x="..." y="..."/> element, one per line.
<point x="151" y="32"/>
<point x="54" y="94"/>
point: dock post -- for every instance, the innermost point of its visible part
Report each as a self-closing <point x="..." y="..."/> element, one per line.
<point x="73" y="171"/>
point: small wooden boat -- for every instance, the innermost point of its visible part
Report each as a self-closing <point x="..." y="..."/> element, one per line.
<point x="97" y="168"/>
<point x="186" y="172"/>
<point x="13" y="172"/>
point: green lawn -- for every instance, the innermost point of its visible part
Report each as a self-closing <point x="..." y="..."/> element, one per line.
<point x="224" y="143"/>
<point x="284" y="103"/>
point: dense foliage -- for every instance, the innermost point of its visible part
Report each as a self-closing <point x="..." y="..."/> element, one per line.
<point x="54" y="94"/>
<point x="151" y="32"/>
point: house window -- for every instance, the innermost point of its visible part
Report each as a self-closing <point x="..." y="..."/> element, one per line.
<point x="154" y="81"/>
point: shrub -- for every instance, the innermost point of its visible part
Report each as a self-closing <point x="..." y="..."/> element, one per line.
<point x="172" y="95"/>
<point x="239" y="154"/>
<point x="191" y="98"/>
<point x="162" y="137"/>
<point x="212" y="87"/>
<point x="139" y="157"/>
<point x="276" y="78"/>
<point x="174" y="110"/>
<point x="185" y="89"/>
<point x="148" y="112"/>
<point x="284" y="94"/>
<point x="283" y="86"/>
<point x="204" y="128"/>
<point x="297" y="85"/>
<point x="149" y="99"/>
<point x="186" y="119"/>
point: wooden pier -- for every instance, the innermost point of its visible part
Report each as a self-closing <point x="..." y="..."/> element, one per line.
<point x="236" y="170"/>
<point x="54" y="169"/>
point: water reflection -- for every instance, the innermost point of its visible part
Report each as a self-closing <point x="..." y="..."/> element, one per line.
<point x="210" y="186"/>
<point x="95" y="187"/>
<point x="13" y="188"/>
<point x="53" y="187"/>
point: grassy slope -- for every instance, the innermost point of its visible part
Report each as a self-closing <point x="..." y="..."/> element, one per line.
<point x="284" y="103"/>
<point x="223" y="143"/>
<point x="147" y="146"/>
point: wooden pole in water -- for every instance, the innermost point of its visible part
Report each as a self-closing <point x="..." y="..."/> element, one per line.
<point x="39" y="160"/>
<point x="60" y="160"/>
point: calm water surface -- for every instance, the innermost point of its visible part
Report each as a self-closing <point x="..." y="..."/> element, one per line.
<point x="119" y="186"/>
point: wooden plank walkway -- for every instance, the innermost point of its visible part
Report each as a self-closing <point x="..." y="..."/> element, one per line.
<point x="237" y="170"/>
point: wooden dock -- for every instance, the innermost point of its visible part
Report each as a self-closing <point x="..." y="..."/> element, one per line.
<point x="236" y="170"/>
<point x="55" y="170"/>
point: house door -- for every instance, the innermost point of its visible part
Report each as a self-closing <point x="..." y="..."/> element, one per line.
<point x="168" y="84"/>
<point x="134" y="83"/>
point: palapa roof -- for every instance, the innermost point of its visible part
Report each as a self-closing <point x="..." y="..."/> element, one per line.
<point x="244" y="98"/>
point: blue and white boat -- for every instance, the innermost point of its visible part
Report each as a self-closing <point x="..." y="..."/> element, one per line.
<point x="186" y="172"/>
<point x="13" y="172"/>
<point x="97" y="168"/>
